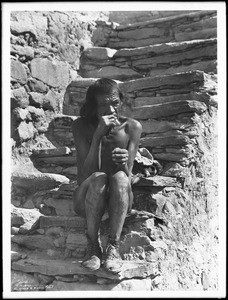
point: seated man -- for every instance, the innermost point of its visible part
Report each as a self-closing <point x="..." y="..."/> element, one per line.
<point x="106" y="145"/>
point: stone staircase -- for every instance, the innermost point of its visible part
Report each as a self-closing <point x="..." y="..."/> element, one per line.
<point x="166" y="68"/>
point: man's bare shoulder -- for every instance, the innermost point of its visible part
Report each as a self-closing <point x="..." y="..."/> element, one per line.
<point x="133" y="125"/>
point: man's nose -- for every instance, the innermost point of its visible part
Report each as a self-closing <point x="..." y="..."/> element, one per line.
<point x="111" y="109"/>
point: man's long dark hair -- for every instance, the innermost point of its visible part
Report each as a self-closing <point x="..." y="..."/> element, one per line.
<point x="103" y="86"/>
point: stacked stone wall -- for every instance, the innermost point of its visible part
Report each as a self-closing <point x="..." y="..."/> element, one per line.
<point x="45" y="51"/>
<point x="146" y="61"/>
<point x="177" y="28"/>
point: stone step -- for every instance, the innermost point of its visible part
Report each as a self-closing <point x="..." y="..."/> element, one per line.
<point x="166" y="109"/>
<point x="37" y="181"/>
<point x="166" y="58"/>
<point x="191" y="85"/>
<point x="132" y="17"/>
<point x="50" y="201"/>
<point x="52" y="152"/>
<point x="159" y="181"/>
<point x="60" y="160"/>
<point x="71" y="267"/>
<point x="177" y="97"/>
<point x="180" y="27"/>
<point x="66" y="236"/>
<point x="62" y="221"/>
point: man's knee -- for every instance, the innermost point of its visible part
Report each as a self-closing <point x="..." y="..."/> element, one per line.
<point x="120" y="182"/>
<point x="98" y="181"/>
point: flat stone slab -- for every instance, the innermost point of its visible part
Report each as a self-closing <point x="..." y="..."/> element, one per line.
<point x="101" y="285"/>
<point x="52" y="152"/>
<point x="159" y="181"/>
<point x="184" y="78"/>
<point x="37" y="180"/>
<point x="62" y="221"/>
<point x="167" y="109"/>
<point x="33" y="241"/>
<point x="128" y="270"/>
<point x="163" y="48"/>
<point x="168" y="19"/>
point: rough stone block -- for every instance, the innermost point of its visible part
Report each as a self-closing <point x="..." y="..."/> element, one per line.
<point x="21" y="216"/>
<point x="69" y="53"/>
<point x="26" y="131"/>
<point x="52" y="101"/>
<point x="29" y="22"/>
<point x="36" y="113"/>
<point x="18" y="72"/>
<point x="19" y="98"/>
<point x="28" y="227"/>
<point x="23" y="51"/>
<point x="99" y="53"/>
<point x="37" y="86"/>
<point x="21" y="114"/>
<point x="28" y="204"/>
<point x="174" y="169"/>
<point x="53" y="73"/>
<point x="134" y="239"/>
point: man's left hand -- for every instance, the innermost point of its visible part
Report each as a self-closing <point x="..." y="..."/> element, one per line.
<point x="120" y="156"/>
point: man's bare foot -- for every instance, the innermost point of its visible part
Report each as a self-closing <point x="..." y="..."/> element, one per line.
<point x="92" y="260"/>
<point x="113" y="261"/>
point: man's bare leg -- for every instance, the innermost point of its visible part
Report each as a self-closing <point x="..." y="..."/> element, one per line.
<point x="95" y="203"/>
<point x="120" y="198"/>
<point x="90" y="202"/>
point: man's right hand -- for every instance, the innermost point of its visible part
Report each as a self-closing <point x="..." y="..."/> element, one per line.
<point x="105" y="122"/>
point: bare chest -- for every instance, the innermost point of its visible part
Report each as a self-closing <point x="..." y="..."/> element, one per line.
<point x="118" y="137"/>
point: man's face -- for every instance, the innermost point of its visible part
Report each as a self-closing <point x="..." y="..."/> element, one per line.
<point x="108" y="105"/>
